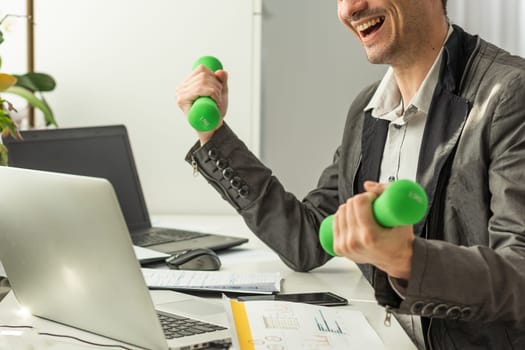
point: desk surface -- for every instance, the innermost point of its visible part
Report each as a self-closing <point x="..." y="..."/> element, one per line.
<point x="340" y="276"/>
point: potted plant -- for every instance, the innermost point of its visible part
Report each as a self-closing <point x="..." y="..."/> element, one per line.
<point x="30" y="87"/>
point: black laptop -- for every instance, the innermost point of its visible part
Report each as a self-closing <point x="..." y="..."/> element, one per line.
<point x="105" y="151"/>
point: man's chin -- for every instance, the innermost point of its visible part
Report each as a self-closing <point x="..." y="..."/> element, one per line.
<point x="375" y="57"/>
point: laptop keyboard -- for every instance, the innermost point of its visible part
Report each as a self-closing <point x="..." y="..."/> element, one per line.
<point x="164" y="236"/>
<point x="178" y="326"/>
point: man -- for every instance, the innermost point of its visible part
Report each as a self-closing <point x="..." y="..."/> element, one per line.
<point x="450" y="114"/>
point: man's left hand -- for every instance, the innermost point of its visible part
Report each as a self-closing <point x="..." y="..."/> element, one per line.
<point x="359" y="237"/>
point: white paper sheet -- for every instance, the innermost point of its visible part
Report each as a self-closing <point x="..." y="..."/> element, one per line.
<point x="239" y="282"/>
<point x="290" y="326"/>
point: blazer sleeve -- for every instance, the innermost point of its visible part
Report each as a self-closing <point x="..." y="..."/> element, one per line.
<point x="287" y="225"/>
<point x="483" y="282"/>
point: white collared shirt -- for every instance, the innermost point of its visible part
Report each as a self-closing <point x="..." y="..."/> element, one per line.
<point x="406" y="127"/>
<point x="405" y="130"/>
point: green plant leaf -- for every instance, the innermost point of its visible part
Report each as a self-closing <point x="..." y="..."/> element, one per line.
<point x="7" y="126"/>
<point x="34" y="101"/>
<point x="3" y="155"/>
<point x="48" y="121"/>
<point x="1" y="37"/>
<point x="35" y="81"/>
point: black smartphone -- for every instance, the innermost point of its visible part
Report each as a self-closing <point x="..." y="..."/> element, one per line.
<point x="315" y="298"/>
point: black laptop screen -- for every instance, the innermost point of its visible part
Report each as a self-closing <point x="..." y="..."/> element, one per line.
<point x="94" y="151"/>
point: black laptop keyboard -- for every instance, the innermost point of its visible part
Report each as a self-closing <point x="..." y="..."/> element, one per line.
<point x="177" y="326"/>
<point x="164" y="236"/>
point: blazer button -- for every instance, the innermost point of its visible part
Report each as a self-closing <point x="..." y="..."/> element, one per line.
<point x="416" y="307"/>
<point x="428" y="309"/>
<point x="213" y="154"/>
<point x="454" y="312"/>
<point x="228" y="173"/>
<point x="236" y="182"/>
<point x="244" y="191"/>
<point x="466" y="312"/>
<point x="440" y="310"/>
<point x="221" y="164"/>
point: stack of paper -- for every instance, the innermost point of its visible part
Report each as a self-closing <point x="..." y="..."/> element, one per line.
<point x="238" y="282"/>
<point x="290" y="326"/>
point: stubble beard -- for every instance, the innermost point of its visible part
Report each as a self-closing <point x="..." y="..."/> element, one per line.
<point x="382" y="54"/>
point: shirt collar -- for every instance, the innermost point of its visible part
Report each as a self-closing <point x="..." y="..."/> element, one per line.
<point x="387" y="97"/>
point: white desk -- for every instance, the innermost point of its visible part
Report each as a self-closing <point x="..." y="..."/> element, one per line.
<point x="339" y="276"/>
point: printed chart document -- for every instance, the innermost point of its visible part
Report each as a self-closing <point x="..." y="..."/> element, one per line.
<point x="266" y="324"/>
<point x="222" y="281"/>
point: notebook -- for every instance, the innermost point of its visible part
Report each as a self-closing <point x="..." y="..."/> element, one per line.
<point x="105" y="151"/>
<point x="69" y="258"/>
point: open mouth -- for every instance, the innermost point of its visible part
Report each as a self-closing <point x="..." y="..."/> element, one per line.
<point x="373" y="25"/>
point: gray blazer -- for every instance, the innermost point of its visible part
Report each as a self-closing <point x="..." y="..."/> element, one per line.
<point x="468" y="268"/>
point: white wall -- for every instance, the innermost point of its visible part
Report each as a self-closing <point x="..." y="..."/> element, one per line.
<point x="14" y="50"/>
<point x="120" y="61"/>
<point x="312" y="68"/>
<point x="500" y="22"/>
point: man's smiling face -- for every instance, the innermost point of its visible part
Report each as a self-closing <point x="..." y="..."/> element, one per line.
<point x="389" y="30"/>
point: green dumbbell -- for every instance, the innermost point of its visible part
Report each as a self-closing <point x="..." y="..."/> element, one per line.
<point x="404" y="202"/>
<point x="204" y="115"/>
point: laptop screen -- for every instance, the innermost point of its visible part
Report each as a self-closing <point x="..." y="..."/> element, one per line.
<point x="91" y="151"/>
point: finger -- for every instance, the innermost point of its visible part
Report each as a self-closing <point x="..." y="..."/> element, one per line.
<point x="200" y="83"/>
<point x="222" y="75"/>
<point x="351" y="223"/>
<point x="222" y="102"/>
<point x="338" y="229"/>
<point x="207" y="84"/>
<point x="375" y="187"/>
<point x="363" y="213"/>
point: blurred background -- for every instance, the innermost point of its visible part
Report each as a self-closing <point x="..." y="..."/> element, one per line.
<point x="294" y="70"/>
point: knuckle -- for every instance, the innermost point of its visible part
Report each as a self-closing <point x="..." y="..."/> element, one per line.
<point x="353" y="244"/>
<point x="361" y="199"/>
<point x="368" y="238"/>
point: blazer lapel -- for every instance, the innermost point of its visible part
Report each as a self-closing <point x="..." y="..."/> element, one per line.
<point x="446" y="118"/>
<point x="445" y="122"/>
<point x="372" y="144"/>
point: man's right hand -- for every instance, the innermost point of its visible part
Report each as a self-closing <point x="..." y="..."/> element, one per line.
<point x="203" y="82"/>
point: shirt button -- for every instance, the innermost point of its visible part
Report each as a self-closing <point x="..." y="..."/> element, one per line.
<point x="244" y="191"/>
<point x="221" y="164"/>
<point x="391" y="178"/>
<point x="454" y="312"/>
<point x="416" y="307"/>
<point x="228" y="173"/>
<point x="236" y="182"/>
<point x="213" y="154"/>
<point x="466" y="312"/>
<point x="427" y="309"/>
<point x="440" y="310"/>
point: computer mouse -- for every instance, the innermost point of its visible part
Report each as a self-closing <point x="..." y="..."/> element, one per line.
<point x="194" y="259"/>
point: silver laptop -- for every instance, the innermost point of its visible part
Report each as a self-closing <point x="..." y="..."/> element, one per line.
<point x="68" y="255"/>
<point x="105" y="151"/>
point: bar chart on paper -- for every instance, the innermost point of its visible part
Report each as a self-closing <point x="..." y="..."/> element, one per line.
<point x="324" y="326"/>
<point x="286" y="325"/>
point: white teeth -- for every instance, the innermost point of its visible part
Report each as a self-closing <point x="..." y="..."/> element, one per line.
<point x="365" y="26"/>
